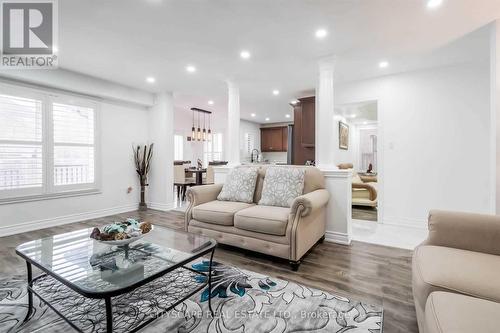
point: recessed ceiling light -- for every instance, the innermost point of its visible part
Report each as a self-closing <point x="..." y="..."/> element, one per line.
<point x="190" y="68"/>
<point x="150" y="79"/>
<point x="294" y="102"/>
<point x="253" y="115"/>
<point x="383" y="64"/>
<point x="431" y="4"/>
<point x="321" y="33"/>
<point x="245" y="54"/>
<point x="352" y="116"/>
<point x="364" y="122"/>
<point x="287" y="116"/>
<point x="267" y="119"/>
<point x="276" y="92"/>
<point x="210" y="102"/>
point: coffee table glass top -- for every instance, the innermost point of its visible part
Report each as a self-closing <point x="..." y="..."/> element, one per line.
<point x="94" y="268"/>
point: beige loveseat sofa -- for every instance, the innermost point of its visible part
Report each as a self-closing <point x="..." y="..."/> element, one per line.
<point x="456" y="274"/>
<point x="282" y="232"/>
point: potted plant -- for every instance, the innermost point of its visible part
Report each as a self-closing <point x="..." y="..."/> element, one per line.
<point x="142" y="159"/>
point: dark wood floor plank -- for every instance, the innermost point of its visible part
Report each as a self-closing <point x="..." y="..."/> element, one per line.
<point x="365" y="272"/>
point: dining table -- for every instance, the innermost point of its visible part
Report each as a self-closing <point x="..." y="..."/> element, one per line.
<point x="199" y="174"/>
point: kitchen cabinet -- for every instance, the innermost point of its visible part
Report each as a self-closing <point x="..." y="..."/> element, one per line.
<point x="273" y="139"/>
<point x="304" y="131"/>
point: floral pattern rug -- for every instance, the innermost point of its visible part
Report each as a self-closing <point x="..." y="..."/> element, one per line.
<point x="244" y="301"/>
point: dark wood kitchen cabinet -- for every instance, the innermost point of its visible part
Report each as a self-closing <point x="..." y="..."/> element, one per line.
<point x="304" y="130"/>
<point x="273" y="139"/>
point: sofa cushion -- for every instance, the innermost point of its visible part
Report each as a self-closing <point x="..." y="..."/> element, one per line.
<point x="264" y="219"/>
<point x="281" y="186"/>
<point x="313" y="180"/>
<point x="454" y="313"/>
<point x="218" y="212"/>
<point x="239" y="185"/>
<point x="438" y="268"/>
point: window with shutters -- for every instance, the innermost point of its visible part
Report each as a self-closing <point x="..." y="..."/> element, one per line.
<point x="212" y="150"/>
<point x="47" y="144"/>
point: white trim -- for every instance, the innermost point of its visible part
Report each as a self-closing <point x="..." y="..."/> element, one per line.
<point x="335" y="173"/>
<point x="337" y="237"/>
<point x="50" y="196"/>
<point x="405" y="222"/>
<point x="60" y="220"/>
<point x="165" y="207"/>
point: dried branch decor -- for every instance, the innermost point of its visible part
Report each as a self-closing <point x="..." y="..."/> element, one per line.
<point x="142" y="159"/>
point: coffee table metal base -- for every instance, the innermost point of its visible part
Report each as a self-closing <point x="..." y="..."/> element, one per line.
<point x="127" y="312"/>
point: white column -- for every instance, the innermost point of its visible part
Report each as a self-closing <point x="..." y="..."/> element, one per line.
<point x="324" y="116"/>
<point x="233" y="124"/>
<point x="495" y="115"/>
<point x="160" y="193"/>
<point x="338" y="182"/>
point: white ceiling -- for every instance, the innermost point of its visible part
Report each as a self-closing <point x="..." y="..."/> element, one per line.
<point x="127" y="40"/>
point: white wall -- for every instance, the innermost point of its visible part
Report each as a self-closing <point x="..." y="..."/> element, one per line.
<point x="343" y="155"/>
<point x="434" y="134"/>
<point x="121" y="127"/>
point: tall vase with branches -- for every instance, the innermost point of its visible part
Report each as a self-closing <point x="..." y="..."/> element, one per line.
<point x="142" y="159"/>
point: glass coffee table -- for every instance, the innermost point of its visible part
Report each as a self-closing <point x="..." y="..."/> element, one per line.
<point x="96" y="287"/>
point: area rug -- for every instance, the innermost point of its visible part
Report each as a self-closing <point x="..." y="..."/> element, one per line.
<point x="244" y="302"/>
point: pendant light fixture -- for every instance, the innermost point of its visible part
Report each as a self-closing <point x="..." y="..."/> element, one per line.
<point x="209" y="130"/>
<point x="204" y="128"/>
<point x="196" y="131"/>
<point x="198" y="136"/>
<point x="193" y="133"/>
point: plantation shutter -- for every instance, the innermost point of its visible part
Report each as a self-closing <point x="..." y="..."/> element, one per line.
<point x="21" y="161"/>
<point x="74" y="158"/>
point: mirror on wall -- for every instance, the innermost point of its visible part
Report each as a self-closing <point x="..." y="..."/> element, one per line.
<point x="356" y="148"/>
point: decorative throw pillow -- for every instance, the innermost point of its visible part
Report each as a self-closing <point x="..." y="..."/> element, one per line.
<point x="282" y="186"/>
<point x="239" y="185"/>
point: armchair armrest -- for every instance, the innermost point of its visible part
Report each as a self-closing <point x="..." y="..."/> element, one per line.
<point x="467" y="231"/>
<point x="371" y="190"/>
<point x="198" y="195"/>
<point x="310" y="202"/>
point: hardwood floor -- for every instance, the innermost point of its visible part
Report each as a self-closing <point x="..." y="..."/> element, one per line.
<point x="365" y="272"/>
<point x="364" y="213"/>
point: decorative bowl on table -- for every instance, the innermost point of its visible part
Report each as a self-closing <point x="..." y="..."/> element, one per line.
<point x="121" y="233"/>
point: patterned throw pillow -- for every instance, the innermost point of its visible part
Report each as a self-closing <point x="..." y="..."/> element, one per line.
<point x="282" y="186"/>
<point x="239" y="185"/>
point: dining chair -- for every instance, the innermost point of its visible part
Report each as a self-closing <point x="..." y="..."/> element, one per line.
<point x="208" y="177"/>
<point x="181" y="182"/>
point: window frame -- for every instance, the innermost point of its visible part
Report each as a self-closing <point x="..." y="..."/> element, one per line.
<point x="208" y="153"/>
<point x="177" y="136"/>
<point x="49" y="190"/>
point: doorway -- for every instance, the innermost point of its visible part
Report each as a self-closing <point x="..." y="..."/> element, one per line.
<point x="358" y="138"/>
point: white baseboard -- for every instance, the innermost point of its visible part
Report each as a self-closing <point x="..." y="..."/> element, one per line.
<point x="161" y="206"/>
<point x="60" y="220"/>
<point x="337" y="237"/>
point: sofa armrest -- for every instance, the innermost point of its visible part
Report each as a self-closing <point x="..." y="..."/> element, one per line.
<point x="467" y="231"/>
<point x="198" y="195"/>
<point x="310" y="202"/>
<point x="371" y="189"/>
